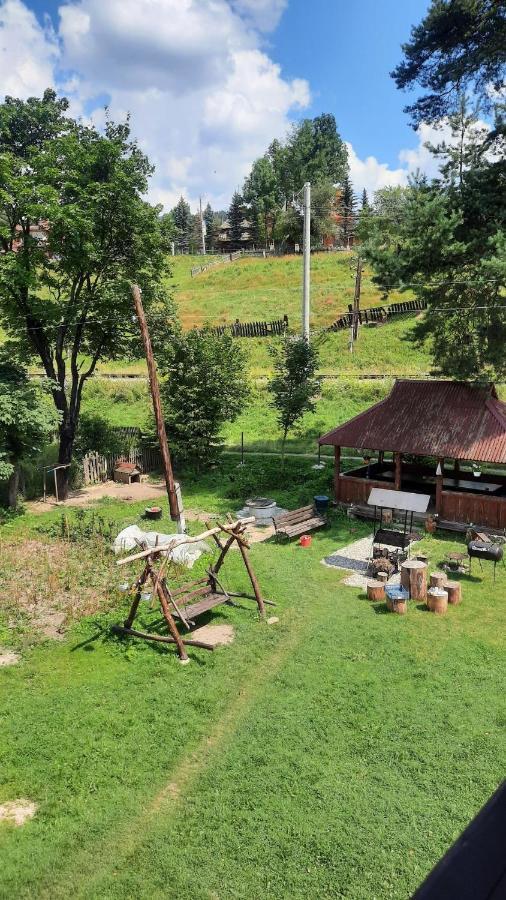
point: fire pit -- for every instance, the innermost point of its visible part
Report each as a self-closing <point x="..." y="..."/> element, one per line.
<point x="262" y="508"/>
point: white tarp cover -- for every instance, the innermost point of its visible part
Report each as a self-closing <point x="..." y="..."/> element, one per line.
<point x="403" y="500"/>
<point x="185" y="554"/>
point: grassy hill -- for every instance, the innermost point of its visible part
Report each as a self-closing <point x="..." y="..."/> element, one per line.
<point x="269" y="288"/>
<point x="254" y="289"/>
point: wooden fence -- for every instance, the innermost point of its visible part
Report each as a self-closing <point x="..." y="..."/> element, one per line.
<point x="217" y="261"/>
<point x="251" y="329"/>
<point x="378" y="313"/>
<point x="98" y="468"/>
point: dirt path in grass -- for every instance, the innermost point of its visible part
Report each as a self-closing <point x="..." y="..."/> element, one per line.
<point x="87" y="870"/>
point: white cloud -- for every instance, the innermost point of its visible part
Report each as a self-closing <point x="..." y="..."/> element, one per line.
<point x="28" y="51"/>
<point x="204" y="98"/>
<point x="372" y="175"/>
<point x="263" y="14"/>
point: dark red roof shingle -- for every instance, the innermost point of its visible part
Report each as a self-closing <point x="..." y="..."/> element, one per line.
<point x="431" y="418"/>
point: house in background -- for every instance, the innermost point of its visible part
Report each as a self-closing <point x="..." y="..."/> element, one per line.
<point x="225" y="242"/>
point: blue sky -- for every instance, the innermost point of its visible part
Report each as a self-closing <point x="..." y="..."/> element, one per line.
<point x="346" y="51"/>
<point x="209" y="83"/>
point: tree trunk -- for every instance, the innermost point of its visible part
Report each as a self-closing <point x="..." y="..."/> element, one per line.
<point x="66" y="445"/>
<point x="13" y="488"/>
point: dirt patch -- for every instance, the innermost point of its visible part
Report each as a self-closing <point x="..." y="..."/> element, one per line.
<point x="214" y="634"/>
<point x="8" y="657"/>
<point x="17" y="812"/>
<point x="255" y="535"/>
<point x="144" y="490"/>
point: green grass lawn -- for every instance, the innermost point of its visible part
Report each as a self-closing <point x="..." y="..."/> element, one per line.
<point x="335" y="754"/>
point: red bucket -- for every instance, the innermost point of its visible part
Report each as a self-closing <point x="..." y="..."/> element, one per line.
<point x="305" y="540"/>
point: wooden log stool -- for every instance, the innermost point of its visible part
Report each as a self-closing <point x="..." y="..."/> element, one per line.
<point x="438" y="579"/>
<point x="414" y="578"/>
<point x="382" y="577"/>
<point x="454" y="591"/>
<point x="437" y="600"/>
<point x="375" y="590"/>
<point x="397" y="599"/>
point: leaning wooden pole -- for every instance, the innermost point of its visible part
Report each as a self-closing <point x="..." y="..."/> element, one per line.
<point x="176" y="512"/>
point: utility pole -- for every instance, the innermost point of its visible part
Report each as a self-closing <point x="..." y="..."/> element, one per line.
<point x="355" y="311"/>
<point x="306" y="284"/>
<point x="202" y="228"/>
<point x="173" y="489"/>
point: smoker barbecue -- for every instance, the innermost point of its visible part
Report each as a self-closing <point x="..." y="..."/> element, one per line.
<point x="485" y="550"/>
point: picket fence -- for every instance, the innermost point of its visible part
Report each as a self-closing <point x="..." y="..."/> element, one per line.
<point x="378" y="313"/>
<point x="217" y="261"/>
<point x="251" y="329"/>
<point x="98" y="468"/>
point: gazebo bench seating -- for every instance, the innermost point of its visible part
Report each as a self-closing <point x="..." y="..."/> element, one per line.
<point x="297" y="522"/>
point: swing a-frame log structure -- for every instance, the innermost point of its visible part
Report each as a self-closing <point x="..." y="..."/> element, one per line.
<point x="185" y="603"/>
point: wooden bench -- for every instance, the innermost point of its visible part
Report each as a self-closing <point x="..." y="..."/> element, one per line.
<point x="300" y="521"/>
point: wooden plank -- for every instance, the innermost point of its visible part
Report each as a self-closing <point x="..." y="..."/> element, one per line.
<point x="202" y="606"/>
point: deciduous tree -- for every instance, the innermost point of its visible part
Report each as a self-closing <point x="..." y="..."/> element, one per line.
<point x="27" y="420"/>
<point x="294" y="385"/>
<point x="75" y="232"/>
<point x="205" y="386"/>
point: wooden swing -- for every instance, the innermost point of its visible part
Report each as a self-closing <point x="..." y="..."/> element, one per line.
<point x="184" y="604"/>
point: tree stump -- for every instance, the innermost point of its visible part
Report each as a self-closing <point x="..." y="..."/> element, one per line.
<point x="437" y="601"/>
<point x="454" y="591"/>
<point x="382" y="576"/>
<point x="375" y="591"/>
<point x="399" y="606"/>
<point x="438" y="579"/>
<point x="414" y="578"/>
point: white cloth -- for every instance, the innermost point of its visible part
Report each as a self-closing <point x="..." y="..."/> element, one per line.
<point x="186" y="554"/>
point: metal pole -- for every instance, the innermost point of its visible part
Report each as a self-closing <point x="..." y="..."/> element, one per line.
<point x="306" y="261"/>
<point x="176" y="510"/>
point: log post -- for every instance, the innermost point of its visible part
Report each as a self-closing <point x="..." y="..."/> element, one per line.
<point x="439" y="484"/>
<point x="375" y="591"/>
<point x="414" y="578"/>
<point x="398" y="471"/>
<point x="437" y="601"/>
<point x="438" y="579"/>
<point x="454" y="591"/>
<point x="252" y="578"/>
<point x="337" y="471"/>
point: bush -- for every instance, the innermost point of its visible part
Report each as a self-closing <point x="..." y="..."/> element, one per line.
<point x="95" y="433"/>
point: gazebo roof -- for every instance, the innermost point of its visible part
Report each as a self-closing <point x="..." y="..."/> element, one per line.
<point x="431" y="418"/>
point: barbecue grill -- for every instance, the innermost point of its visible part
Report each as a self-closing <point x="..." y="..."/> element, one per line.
<point x="485" y="550"/>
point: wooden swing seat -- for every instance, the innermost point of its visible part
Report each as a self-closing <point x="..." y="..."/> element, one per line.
<point x="191" y="607"/>
<point x="188" y="601"/>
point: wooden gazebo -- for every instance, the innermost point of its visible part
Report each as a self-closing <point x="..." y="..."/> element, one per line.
<point x="443" y="438"/>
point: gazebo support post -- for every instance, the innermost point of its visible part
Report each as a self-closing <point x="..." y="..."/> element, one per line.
<point x="439" y="483"/>
<point x="398" y="471"/>
<point x="381" y="456"/>
<point x="456" y="467"/>
<point x="337" y="470"/>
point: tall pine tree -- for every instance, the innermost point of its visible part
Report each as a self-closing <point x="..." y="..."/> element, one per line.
<point x="235" y="217"/>
<point x="183" y="221"/>
<point x="347" y="207"/>
<point x="208" y="216"/>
